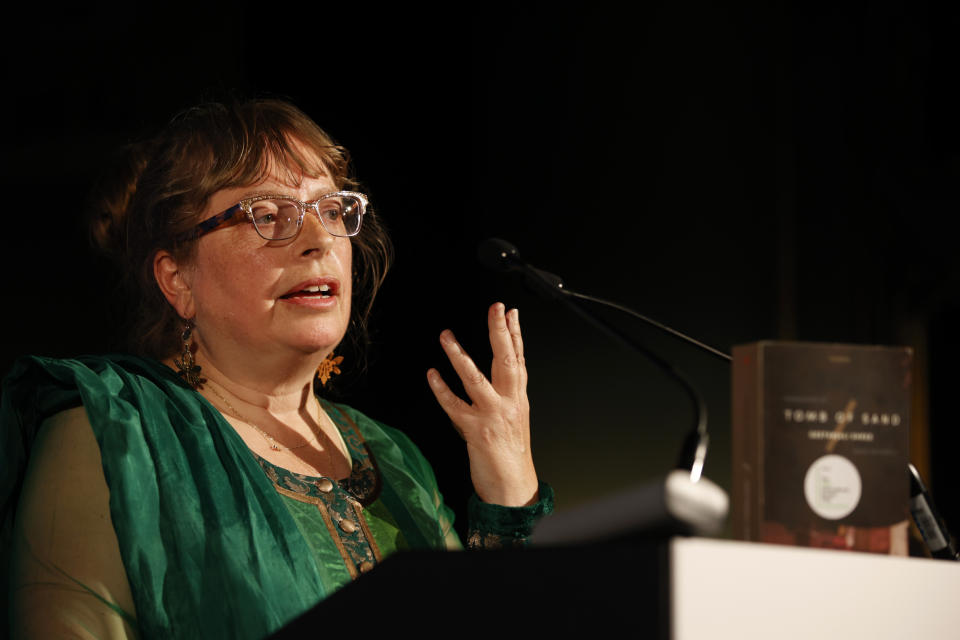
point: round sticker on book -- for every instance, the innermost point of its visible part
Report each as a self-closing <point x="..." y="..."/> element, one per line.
<point x="832" y="487"/>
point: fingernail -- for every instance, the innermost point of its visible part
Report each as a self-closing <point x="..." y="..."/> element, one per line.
<point x="446" y="336"/>
<point x="515" y="315"/>
<point x="433" y="378"/>
<point x="501" y="308"/>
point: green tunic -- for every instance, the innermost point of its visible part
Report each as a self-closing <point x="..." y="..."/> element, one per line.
<point x="212" y="545"/>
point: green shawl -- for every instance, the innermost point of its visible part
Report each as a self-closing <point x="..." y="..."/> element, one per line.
<point x="209" y="547"/>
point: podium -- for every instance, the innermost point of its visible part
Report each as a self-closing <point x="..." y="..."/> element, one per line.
<point x="679" y="588"/>
<point x="727" y="589"/>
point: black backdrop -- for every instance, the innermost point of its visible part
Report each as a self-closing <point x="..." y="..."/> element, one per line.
<point x="741" y="172"/>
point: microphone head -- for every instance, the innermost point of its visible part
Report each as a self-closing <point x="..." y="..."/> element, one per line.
<point x="498" y="255"/>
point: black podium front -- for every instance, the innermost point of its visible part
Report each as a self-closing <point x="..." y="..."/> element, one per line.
<point x="506" y="594"/>
<point x="684" y="588"/>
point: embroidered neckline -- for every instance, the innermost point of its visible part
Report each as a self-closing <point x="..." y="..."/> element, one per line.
<point x="340" y="504"/>
<point x="363" y="483"/>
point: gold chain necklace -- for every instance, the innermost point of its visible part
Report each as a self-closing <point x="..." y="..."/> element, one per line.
<point x="276" y="446"/>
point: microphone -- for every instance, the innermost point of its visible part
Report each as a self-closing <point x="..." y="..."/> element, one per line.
<point x="683" y="502"/>
<point x="499" y="255"/>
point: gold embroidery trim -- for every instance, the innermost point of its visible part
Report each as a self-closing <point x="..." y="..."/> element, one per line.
<point x="357" y="507"/>
<point x="332" y="527"/>
<point x="358" y="510"/>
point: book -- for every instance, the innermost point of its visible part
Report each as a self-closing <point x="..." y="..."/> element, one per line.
<point x="821" y="445"/>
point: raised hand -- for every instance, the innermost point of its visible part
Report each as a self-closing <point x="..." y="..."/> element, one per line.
<point x="496" y="424"/>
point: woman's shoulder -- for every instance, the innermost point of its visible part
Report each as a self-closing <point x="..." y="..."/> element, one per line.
<point x="66" y="382"/>
<point x="79" y="366"/>
<point x="117" y="392"/>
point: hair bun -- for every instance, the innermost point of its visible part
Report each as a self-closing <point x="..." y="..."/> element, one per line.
<point x="109" y="199"/>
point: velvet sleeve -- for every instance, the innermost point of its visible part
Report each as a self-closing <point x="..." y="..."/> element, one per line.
<point x="492" y="526"/>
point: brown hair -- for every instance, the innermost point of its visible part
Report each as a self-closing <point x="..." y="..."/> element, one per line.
<point x="157" y="190"/>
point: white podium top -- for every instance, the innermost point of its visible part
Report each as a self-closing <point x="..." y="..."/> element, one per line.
<point x="743" y="590"/>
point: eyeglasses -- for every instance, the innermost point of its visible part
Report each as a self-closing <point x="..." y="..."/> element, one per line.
<point x="281" y="217"/>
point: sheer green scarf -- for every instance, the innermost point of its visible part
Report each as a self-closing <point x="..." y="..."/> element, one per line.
<point x="209" y="547"/>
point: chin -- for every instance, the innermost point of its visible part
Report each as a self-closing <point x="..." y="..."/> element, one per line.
<point x="320" y="344"/>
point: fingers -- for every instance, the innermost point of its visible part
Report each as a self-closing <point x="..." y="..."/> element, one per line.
<point x="474" y="382"/>
<point x="495" y="416"/>
<point x="508" y="375"/>
<point x="506" y="372"/>
<point x="513" y="319"/>
<point x="453" y="406"/>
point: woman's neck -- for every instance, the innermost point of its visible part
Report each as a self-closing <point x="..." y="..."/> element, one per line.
<point x="282" y="387"/>
<point x="278" y="395"/>
<point x="270" y="400"/>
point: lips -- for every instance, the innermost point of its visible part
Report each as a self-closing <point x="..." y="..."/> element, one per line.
<point x="322" y="288"/>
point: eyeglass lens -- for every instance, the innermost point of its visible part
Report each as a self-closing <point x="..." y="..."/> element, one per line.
<point x="278" y="219"/>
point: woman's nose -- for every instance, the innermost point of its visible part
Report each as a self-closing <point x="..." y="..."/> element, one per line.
<point x="313" y="235"/>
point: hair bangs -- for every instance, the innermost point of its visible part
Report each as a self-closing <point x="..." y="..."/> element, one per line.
<point x="287" y="152"/>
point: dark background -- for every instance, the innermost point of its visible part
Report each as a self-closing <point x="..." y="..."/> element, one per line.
<point x="740" y="172"/>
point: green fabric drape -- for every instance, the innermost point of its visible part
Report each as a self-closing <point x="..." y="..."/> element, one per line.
<point x="209" y="547"/>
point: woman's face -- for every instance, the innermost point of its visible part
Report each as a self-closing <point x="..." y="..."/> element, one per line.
<point x="271" y="298"/>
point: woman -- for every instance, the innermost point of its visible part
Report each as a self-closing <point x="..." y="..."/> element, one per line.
<point x="201" y="487"/>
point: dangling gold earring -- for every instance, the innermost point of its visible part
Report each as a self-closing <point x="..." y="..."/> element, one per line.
<point x="328" y="367"/>
<point x="186" y="367"/>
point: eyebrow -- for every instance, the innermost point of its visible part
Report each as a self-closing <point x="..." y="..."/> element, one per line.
<point x="259" y="194"/>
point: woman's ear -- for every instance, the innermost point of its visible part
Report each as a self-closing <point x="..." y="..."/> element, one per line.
<point x="174" y="283"/>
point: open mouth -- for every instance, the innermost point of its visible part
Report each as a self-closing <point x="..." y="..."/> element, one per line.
<point x="324" y="290"/>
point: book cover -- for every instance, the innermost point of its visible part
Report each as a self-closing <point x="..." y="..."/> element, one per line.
<point x="820" y="445"/>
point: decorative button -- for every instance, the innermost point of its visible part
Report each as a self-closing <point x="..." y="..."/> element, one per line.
<point x="347" y="525"/>
<point x="325" y="485"/>
<point x="365" y="566"/>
